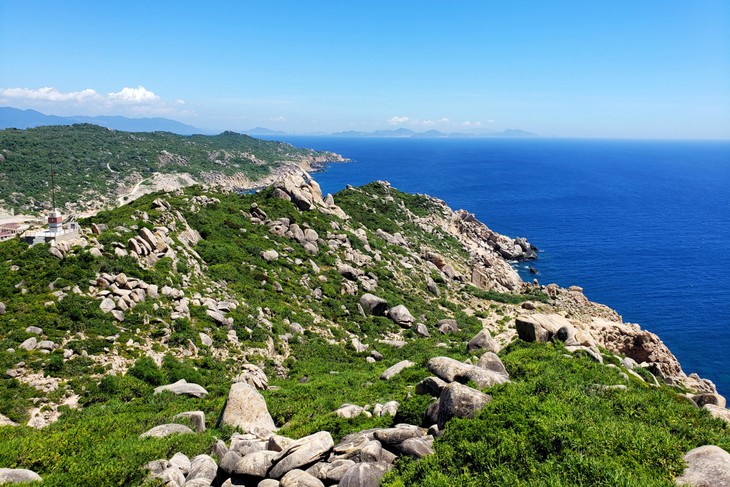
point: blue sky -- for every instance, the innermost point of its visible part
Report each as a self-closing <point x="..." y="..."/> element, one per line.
<point x="646" y="69"/>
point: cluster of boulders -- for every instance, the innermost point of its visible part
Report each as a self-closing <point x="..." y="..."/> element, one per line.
<point x="307" y="237"/>
<point x="119" y="293"/>
<point x="261" y="457"/>
<point x="453" y="397"/>
<point x="148" y="243"/>
<point x="299" y="188"/>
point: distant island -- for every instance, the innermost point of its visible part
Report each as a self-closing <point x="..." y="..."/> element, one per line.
<point x="434" y="134"/>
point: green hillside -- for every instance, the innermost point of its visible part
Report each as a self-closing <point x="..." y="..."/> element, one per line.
<point x="93" y="162"/>
<point x="239" y="280"/>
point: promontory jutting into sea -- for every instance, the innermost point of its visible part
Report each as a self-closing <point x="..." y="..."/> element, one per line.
<point x="642" y="226"/>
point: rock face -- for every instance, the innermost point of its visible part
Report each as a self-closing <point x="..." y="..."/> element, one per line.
<point x="246" y="409"/>
<point x="707" y="466"/>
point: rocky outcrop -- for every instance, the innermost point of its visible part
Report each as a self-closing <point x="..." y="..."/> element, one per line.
<point x="246" y="410"/>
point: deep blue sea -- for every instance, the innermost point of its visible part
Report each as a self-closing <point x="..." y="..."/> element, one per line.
<point x="642" y="226"/>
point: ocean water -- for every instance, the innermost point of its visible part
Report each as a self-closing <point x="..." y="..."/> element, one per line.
<point x="642" y="226"/>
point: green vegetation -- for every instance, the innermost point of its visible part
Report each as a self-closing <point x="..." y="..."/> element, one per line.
<point x="92" y="161"/>
<point x="552" y="425"/>
<point x="555" y="425"/>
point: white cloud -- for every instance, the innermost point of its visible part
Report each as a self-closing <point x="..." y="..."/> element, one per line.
<point x="471" y="124"/>
<point x="277" y="119"/>
<point x="138" y="95"/>
<point x="130" y="101"/>
<point x="431" y="123"/>
<point x="48" y="94"/>
<point x="398" y="120"/>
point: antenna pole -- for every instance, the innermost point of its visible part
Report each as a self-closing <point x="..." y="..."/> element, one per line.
<point x="53" y="183"/>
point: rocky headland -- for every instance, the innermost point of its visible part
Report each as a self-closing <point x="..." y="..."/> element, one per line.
<point x="293" y="338"/>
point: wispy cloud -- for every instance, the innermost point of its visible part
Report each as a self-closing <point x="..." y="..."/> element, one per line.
<point x="396" y="120"/>
<point x="402" y="120"/>
<point x="128" y="100"/>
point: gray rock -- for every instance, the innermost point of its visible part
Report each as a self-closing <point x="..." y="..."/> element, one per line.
<point x="199" y="482"/>
<point x="164" y="430"/>
<point x="278" y="443"/>
<point x="246" y="409"/>
<point x="401" y="315"/>
<point x="338" y="469"/>
<point x="29" y="344"/>
<point x="5" y="421"/>
<point x="255" y="464"/>
<point x="205" y="340"/>
<point x="541" y="327"/>
<point x="299" y="478"/>
<point x="452" y="370"/>
<point x="107" y="304"/>
<point x="415" y="448"/>
<point x="358" y="345"/>
<point x="491" y="361"/>
<point x="349" y="411"/>
<point x="421" y="330"/>
<point x="448" y="326"/>
<point x="349" y="272"/>
<point x="483" y="340"/>
<point x="374" y="305"/>
<point x="153" y="291"/>
<point x="268" y="483"/>
<point x="431" y="386"/>
<point x="35" y="330"/>
<point x="396" y="369"/>
<point x="364" y="475"/>
<point x="253" y="376"/>
<point x="709" y="398"/>
<point x="197" y="418"/>
<point x="396" y="436"/>
<point x="707" y="466"/>
<point x="371" y="452"/>
<point x="715" y="411"/>
<point x="229" y="461"/>
<point x="46" y="345"/>
<point x="183" y="387"/>
<point x="56" y="252"/>
<point x="390" y="408"/>
<point x="2" y="308"/>
<point x="302" y="452"/>
<point x="171" y="476"/>
<point x="460" y="401"/>
<point x="18" y="475"/>
<point x="202" y="467"/>
<point x="181" y="461"/>
<point x="270" y="255"/>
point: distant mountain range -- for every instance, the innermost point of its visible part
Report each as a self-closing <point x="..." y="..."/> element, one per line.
<point x="433" y="134"/>
<point x="23" y="119"/>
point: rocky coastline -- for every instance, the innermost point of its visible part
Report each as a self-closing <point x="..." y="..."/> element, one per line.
<point x="446" y="259"/>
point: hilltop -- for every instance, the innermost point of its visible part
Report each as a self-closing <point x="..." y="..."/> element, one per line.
<point x="326" y="340"/>
<point x="99" y="168"/>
